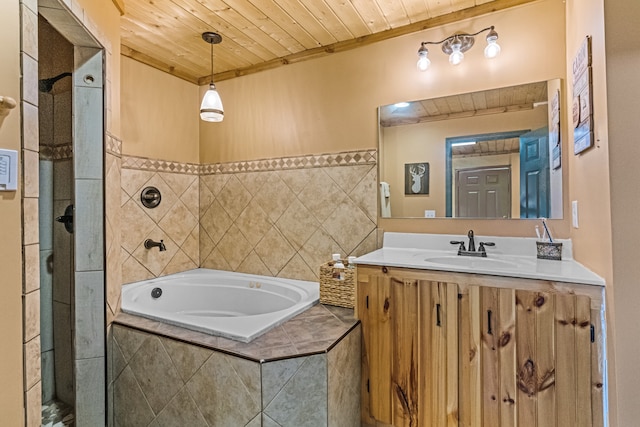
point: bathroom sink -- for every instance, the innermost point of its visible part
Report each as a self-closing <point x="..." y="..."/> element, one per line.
<point x="471" y="262"/>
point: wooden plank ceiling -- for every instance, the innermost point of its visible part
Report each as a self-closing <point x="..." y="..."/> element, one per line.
<point x="263" y="34"/>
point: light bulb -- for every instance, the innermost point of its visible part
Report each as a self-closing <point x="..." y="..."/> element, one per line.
<point x="211" y="109"/>
<point x="423" y="63"/>
<point x="456" y="56"/>
<point x="423" y="58"/>
<point x="493" y="48"/>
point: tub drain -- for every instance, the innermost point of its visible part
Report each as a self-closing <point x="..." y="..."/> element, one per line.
<point x="156" y="293"/>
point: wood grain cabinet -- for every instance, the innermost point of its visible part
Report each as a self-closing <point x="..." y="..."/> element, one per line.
<point x="449" y="349"/>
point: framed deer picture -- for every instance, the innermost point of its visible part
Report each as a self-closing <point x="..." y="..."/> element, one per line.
<point x="416" y="178"/>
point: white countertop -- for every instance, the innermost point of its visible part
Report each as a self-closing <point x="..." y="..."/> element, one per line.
<point x="510" y="257"/>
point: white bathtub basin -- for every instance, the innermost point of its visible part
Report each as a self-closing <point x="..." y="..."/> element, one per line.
<point x="233" y="305"/>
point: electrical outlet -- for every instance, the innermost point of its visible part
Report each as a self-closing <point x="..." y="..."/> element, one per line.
<point x="574" y="213"/>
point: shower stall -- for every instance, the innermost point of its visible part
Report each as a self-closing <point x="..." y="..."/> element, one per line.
<point x="56" y="244"/>
<point x="71" y="229"/>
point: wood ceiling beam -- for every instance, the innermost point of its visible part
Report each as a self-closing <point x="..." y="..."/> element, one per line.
<point x="119" y="5"/>
<point x="157" y="64"/>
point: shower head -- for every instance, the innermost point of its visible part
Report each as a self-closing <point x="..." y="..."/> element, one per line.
<point x="45" y="85"/>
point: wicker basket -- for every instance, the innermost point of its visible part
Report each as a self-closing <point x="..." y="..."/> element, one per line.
<point x="334" y="291"/>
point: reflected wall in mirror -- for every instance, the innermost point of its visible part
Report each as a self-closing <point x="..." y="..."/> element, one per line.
<point x="490" y="154"/>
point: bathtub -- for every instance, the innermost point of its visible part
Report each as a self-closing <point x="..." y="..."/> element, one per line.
<point x="232" y="305"/>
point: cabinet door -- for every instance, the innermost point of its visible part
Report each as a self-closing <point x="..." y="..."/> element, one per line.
<point x="410" y="349"/>
<point x="525" y="359"/>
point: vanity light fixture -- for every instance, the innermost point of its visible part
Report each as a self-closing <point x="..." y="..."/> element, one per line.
<point x="211" y="108"/>
<point x="456" y="45"/>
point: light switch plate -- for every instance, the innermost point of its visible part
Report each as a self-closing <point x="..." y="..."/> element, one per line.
<point x="8" y="170"/>
<point x="430" y="213"/>
<point x="574" y="213"/>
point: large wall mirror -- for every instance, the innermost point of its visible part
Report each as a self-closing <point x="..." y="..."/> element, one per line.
<point x="487" y="154"/>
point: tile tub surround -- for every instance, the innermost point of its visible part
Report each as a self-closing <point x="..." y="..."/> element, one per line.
<point x="279" y="217"/>
<point x="166" y="375"/>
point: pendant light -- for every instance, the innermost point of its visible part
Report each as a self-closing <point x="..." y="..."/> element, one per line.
<point x="211" y="109"/>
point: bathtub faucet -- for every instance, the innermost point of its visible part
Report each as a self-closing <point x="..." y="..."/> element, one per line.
<point x="151" y="244"/>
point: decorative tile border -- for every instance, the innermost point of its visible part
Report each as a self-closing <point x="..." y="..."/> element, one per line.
<point x="56" y="152"/>
<point x="347" y="158"/>
<point x="142" y="163"/>
<point x="113" y="145"/>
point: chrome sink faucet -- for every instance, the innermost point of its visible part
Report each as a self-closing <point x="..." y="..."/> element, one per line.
<point x="462" y="250"/>
<point x="151" y="244"/>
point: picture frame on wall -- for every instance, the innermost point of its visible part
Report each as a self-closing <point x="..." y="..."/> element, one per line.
<point x="416" y="178"/>
<point x="582" y="99"/>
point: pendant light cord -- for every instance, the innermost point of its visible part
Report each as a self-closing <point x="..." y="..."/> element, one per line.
<point x="211" y="77"/>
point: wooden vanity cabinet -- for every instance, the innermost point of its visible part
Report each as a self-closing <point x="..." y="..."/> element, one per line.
<point x="452" y="349"/>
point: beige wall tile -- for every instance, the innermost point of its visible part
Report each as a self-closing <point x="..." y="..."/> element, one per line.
<point x="32" y="367"/>
<point x="33" y="400"/>
<point x="179" y="262"/>
<point x="178" y="182"/>
<point x="178" y="223"/>
<point x="31" y="315"/>
<point x="30" y="135"/>
<point x="234" y="197"/>
<point x="30" y="219"/>
<point x="133" y="181"/>
<point x="31" y="268"/>
<point x="274" y="250"/>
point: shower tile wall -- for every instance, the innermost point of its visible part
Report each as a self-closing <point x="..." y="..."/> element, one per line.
<point x="277" y="217"/>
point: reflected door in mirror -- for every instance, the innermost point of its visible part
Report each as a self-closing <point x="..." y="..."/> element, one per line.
<point x="483" y="193"/>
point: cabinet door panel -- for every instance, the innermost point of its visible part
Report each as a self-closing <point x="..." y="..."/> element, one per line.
<point x="470" y="369"/>
<point x="505" y="331"/>
<point x="527" y="370"/>
<point x="535" y="359"/>
<point x="544" y="307"/>
<point x="405" y="388"/>
<point x="490" y="358"/>
<point x="410" y="340"/>
<point x="381" y="337"/>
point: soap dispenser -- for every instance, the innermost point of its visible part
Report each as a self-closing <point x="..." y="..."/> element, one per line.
<point x="338" y="267"/>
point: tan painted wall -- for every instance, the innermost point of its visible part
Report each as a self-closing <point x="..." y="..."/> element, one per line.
<point x="623" y="92"/>
<point x="589" y="171"/>
<point x="329" y="104"/>
<point x="425" y="142"/>
<point x="11" y="234"/>
<point x="162" y="114"/>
